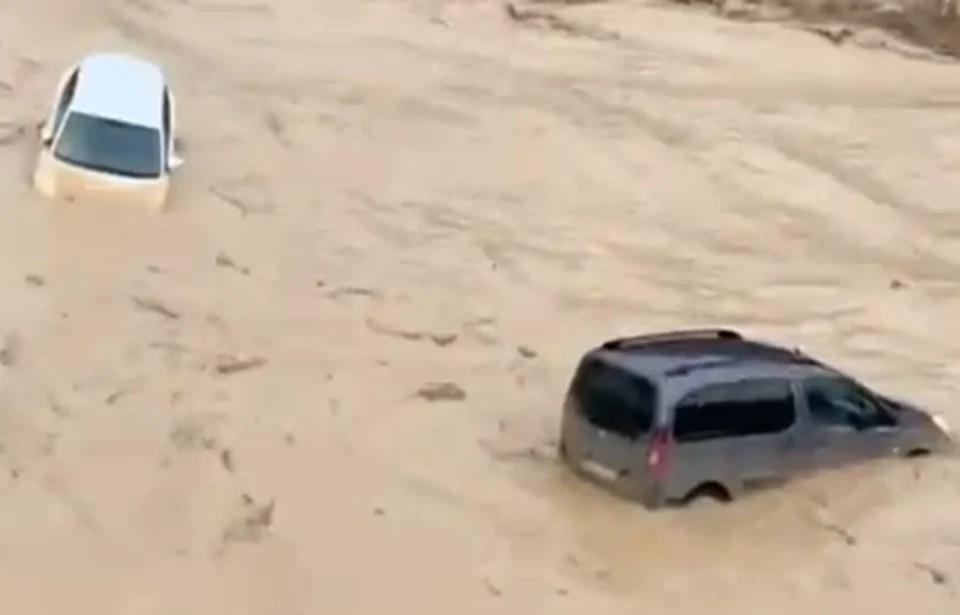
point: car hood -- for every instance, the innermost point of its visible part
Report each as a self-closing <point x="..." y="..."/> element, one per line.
<point x="912" y="417"/>
<point x="908" y="414"/>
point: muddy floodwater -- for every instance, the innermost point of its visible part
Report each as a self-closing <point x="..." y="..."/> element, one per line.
<point x="219" y="409"/>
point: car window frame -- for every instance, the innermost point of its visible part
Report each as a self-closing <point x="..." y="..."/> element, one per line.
<point x="169" y="115"/>
<point x="639" y="385"/>
<point x="786" y="383"/>
<point x="66" y="90"/>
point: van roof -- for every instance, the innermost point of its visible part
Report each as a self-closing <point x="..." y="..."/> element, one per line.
<point x="120" y="87"/>
<point x="680" y="353"/>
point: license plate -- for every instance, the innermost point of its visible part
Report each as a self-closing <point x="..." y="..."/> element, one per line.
<point x="599" y="470"/>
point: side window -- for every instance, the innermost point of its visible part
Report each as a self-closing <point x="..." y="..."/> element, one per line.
<point x="735" y="409"/>
<point x="842" y="403"/>
<point x="66" y="97"/>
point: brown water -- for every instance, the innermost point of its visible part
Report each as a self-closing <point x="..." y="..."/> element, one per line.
<point x="418" y="189"/>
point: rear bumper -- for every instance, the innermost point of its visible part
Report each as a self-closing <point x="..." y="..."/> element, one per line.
<point x="649" y="494"/>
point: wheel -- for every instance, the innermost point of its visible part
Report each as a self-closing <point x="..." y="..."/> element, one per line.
<point x="707" y="494"/>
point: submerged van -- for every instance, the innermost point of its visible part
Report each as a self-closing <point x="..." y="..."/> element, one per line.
<point x="671" y="417"/>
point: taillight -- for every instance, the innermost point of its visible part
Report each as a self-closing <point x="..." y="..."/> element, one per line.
<point x="657" y="454"/>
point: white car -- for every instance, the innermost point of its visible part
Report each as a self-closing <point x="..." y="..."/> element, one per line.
<point x="110" y="133"/>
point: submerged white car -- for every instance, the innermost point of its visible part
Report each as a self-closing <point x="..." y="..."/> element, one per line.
<point x="109" y="135"/>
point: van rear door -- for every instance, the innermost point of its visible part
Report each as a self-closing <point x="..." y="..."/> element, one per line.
<point x="609" y="418"/>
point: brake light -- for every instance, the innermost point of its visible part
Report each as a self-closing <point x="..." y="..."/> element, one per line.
<point x="657" y="454"/>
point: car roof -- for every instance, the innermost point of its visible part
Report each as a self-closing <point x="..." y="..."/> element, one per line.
<point x="120" y="87"/>
<point x="693" y="357"/>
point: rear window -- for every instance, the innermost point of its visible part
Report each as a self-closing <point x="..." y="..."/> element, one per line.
<point x="614" y="399"/>
<point x="735" y="409"/>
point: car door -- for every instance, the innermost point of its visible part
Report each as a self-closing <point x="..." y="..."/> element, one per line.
<point x="742" y="434"/>
<point x="845" y="423"/>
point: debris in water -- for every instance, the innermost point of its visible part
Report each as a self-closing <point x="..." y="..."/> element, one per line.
<point x="232" y="365"/>
<point x="441" y="391"/>
<point x="226" y="459"/>
<point x="937" y="576"/>
<point x="152" y="305"/>
<point x="438" y="338"/>
<point x="252" y="524"/>
<point x="526" y="352"/>
<point x="492" y="589"/>
<point x="844" y="535"/>
<point x="223" y="260"/>
<point x="9" y="350"/>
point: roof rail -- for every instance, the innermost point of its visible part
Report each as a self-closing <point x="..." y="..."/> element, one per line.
<point x="710" y="363"/>
<point x="807" y="358"/>
<point x="669" y="336"/>
<point x="685" y="368"/>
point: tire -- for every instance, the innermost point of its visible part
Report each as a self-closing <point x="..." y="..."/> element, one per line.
<point x="707" y="494"/>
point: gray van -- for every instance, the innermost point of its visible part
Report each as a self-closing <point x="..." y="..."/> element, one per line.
<point x="669" y="417"/>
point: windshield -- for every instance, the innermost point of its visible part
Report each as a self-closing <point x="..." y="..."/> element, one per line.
<point x="102" y="144"/>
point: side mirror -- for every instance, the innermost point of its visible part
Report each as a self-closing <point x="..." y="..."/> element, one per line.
<point x="174" y="163"/>
<point x="46" y="135"/>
